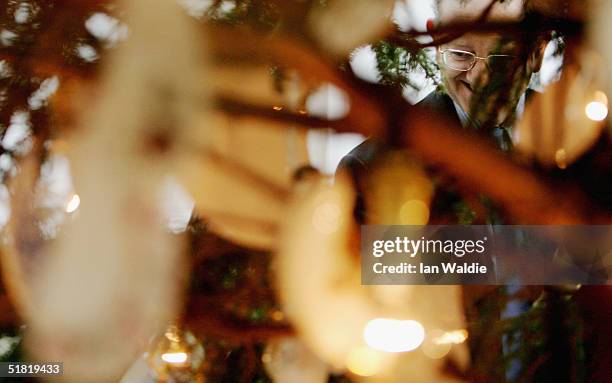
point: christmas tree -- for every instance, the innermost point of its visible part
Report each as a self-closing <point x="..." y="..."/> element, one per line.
<point x="170" y="214"/>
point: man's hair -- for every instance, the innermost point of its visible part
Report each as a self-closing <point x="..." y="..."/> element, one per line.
<point x="502" y="8"/>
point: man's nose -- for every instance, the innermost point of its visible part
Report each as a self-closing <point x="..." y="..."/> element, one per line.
<point x="479" y="73"/>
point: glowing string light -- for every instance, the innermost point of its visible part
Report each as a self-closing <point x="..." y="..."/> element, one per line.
<point x="596" y="110"/>
<point x="392" y="335"/>
<point x="452" y="337"/>
<point x="174" y="357"/>
<point x="73" y="204"/>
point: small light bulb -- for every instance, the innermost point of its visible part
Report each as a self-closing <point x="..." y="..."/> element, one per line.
<point x="596" y="110"/>
<point x="174" y="357"/>
<point x="452" y="337"/>
<point x="73" y="204"/>
<point x="392" y="335"/>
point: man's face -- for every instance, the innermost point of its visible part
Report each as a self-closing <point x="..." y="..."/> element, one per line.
<point x="461" y="85"/>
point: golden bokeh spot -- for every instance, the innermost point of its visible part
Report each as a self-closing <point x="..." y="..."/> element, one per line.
<point x="278" y="316"/>
<point x="364" y="361"/>
<point x="414" y="212"/>
<point x="561" y="158"/>
<point x="266" y="358"/>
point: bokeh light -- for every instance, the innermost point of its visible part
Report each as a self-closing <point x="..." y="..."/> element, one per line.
<point x="174" y="357"/>
<point x="73" y="204"/>
<point x="596" y="110"/>
<point x="392" y="335"/>
<point x="364" y="361"/>
<point x="452" y="337"/>
<point x="414" y="212"/>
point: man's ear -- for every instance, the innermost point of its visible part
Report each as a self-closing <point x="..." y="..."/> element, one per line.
<point x="537" y="56"/>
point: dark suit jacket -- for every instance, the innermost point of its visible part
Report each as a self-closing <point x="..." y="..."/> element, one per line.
<point x="362" y="158"/>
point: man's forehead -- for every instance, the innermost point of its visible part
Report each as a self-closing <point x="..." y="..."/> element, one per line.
<point x="483" y="43"/>
<point x="450" y="11"/>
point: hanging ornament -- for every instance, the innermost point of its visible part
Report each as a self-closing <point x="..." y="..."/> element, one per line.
<point x="399" y="192"/>
<point x="94" y="272"/>
<point x="177" y="356"/>
<point x="289" y="360"/>
<point x="319" y="281"/>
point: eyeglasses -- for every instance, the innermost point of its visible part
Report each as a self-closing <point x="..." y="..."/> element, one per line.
<point x="464" y="61"/>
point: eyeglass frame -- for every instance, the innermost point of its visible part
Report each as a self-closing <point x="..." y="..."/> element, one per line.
<point x="473" y="64"/>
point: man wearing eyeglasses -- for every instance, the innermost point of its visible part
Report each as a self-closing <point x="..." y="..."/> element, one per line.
<point x="468" y="63"/>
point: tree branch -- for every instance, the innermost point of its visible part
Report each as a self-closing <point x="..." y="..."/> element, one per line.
<point x="480" y="167"/>
<point x="239" y="108"/>
<point x="365" y="116"/>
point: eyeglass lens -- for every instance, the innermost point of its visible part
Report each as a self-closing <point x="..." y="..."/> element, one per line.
<point x="463" y="61"/>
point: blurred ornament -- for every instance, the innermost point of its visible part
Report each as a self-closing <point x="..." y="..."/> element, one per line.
<point x="399" y="192"/>
<point x="289" y="360"/>
<point x="319" y="279"/>
<point x="562" y="123"/>
<point x="319" y="282"/>
<point x="177" y="357"/>
<point x="93" y="289"/>
<point x="239" y="188"/>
